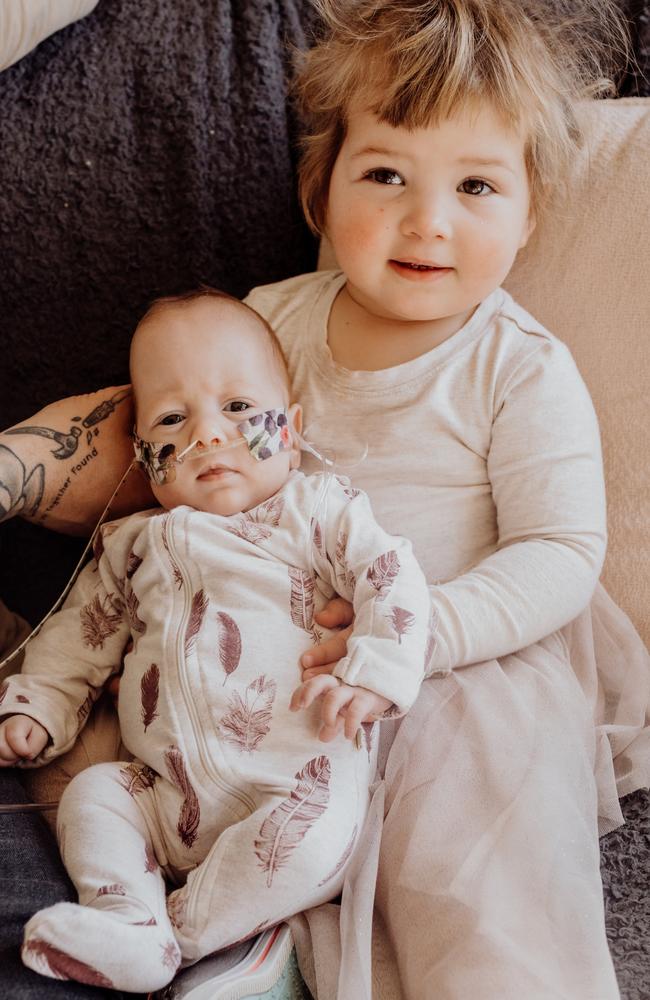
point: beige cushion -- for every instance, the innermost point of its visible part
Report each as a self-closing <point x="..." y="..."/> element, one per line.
<point x="586" y="275"/>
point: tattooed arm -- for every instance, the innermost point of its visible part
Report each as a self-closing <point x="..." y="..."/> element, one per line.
<point x="59" y="468"/>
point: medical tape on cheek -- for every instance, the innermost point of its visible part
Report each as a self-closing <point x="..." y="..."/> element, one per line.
<point x="157" y="459"/>
<point x="266" y="434"/>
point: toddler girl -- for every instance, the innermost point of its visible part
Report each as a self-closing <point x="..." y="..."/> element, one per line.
<point x="231" y="796"/>
<point x="437" y="130"/>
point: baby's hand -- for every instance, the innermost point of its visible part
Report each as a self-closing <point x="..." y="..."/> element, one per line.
<point x="343" y="706"/>
<point x="21" y="738"/>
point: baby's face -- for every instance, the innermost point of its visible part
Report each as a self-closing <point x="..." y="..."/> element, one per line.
<point x="198" y="369"/>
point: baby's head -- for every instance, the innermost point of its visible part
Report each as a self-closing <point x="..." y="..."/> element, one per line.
<point x="202" y="365"/>
<point x="414" y="63"/>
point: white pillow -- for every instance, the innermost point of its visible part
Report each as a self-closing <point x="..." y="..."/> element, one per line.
<point x="25" y="23"/>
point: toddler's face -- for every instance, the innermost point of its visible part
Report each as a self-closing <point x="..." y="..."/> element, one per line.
<point x="426" y="223"/>
<point x="198" y="369"/>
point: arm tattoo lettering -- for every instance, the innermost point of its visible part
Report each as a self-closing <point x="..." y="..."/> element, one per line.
<point x="20" y="492"/>
<point x="68" y="442"/>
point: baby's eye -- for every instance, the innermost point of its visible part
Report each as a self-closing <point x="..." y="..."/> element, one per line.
<point x="383" y="175"/>
<point x="475" y="186"/>
<point x="237" y="406"/>
<point x="171" y="419"/>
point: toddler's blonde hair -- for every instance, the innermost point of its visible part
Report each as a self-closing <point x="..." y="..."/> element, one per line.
<point x="415" y="62"/>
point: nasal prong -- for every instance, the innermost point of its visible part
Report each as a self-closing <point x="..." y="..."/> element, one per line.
<point x="198" y="448"/>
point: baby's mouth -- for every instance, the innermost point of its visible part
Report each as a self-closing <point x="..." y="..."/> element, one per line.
<point x="214" y="471"/>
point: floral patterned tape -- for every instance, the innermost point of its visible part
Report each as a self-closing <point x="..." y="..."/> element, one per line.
<point x="265" y="433"/>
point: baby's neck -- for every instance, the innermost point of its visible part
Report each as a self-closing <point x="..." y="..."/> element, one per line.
<point x="361" y="341"/>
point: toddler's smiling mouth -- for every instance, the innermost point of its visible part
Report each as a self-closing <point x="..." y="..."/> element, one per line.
<point x="418" y="269"/>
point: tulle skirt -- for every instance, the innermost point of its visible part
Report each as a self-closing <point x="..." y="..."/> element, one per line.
<point x="496" y="787"/>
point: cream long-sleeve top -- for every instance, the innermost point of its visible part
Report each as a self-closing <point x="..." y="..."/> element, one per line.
<point x="485" y="452"/>
<point x="216" y="604"/>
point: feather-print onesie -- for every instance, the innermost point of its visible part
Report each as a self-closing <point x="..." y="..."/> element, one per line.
<point x="232" y="795"/>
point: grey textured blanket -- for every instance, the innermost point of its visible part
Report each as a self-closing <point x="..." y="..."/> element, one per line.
<point x="144" y="150"/>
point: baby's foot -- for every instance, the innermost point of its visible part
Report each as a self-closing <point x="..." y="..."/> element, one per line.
<point x="69" y="941"/>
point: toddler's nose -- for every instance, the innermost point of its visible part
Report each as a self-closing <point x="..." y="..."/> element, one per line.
<point x="428" y="217"/>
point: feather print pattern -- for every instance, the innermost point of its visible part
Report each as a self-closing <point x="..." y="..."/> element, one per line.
<point x="246" y="723"/>
<point x="105" y="531"/>
<point x="229" y="643"/>
<point x="149" y="691"/>
<point x="343" y="860"/>
<point x="190" y="814"/>
<point x="176" y="906"/>
<point x="197" y="613"/>
<point x="98" y="547"/>
<point x="317" y="535"/>
<point x="244" y="527"/>
<point x="133" y="564"/>
<point x="132" y="605"/>
<point x="137" y="778"/>
<point x="99" y="621"/>
<point x="255" y="525"/>
<point x="150" y="862"/>
<point x="63" y="966"/>
<point x="171" y="955"/>
<point x="23" y="699"/>
<point x="383" y="572"/>
<point x="116" y="889"/>
<point x="302" y="598"/>
<point x="343" y="573"/>
<point x="84" y="709"/>
<point x="286" y="826"/>
<point x="401" y="622"/>
<point x="349" y="491"/>
<point x="176" y="570"/>
<point x="368" y="732"/>
<point x="271" y="510"/>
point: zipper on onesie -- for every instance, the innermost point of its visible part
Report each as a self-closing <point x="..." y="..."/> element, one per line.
<point x="186" y="692"/>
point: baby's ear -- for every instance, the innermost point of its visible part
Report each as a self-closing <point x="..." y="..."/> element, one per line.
<point x="294" y="414"/>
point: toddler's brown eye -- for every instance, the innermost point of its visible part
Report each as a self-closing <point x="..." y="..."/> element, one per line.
<point x="237" y="406"/>
<point x="171" y="418"/>
<point x="384" y="176"/>
<point x="475" y="186"/>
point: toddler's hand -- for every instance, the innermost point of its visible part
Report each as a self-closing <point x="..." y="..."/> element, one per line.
<point x="21" y="738"/>
<point x="323" y="658"/>
<point x="343" y="706"/>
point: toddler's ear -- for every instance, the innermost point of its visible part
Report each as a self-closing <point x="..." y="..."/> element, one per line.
<point x="530" y="226"/>
<point x="295" y="424"/>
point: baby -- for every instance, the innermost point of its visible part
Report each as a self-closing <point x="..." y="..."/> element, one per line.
<point x="230" y="796"/>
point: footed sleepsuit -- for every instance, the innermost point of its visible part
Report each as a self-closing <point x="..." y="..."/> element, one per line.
<point x="230" y="796"/>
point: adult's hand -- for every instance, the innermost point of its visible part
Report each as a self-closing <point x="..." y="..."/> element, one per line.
<point x="59" y="468"/>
